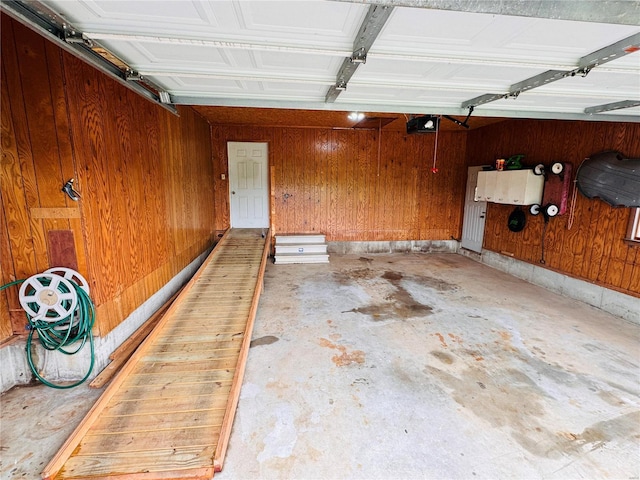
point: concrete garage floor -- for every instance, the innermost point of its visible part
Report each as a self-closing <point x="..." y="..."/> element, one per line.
<point x="405" y="366"/>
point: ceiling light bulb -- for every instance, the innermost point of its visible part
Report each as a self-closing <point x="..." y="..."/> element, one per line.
<point x="356" y="116"/>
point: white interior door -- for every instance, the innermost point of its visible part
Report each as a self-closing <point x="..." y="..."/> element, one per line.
<point x="474" y="214"/>
<point x="248" y="184"/>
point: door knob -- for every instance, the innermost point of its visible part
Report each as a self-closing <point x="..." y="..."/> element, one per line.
<point x="233" y="193"/>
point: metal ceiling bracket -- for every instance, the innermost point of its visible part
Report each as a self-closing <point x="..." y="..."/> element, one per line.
<point x="614" y="51"/>
<point x="587" y="63"/>
<point x="71" y="36"/>
<point x="536" y="81"/>
<point x="39" y="17"/>
<point x="165" y="97"/>
<point x="132" y="76"/>
<point x="344" y="75"/>
<point x="482" y="99"/>
<point x="359" y="56"/>
<point x="607" y="107"/>
<point x="371" y="26"/>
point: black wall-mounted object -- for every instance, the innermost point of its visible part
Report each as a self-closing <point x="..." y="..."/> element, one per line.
<point x="612" y="178"/>
<point x="517" y="220"/>
<point x="69" y="190"/>
<point x="423" y="124"/>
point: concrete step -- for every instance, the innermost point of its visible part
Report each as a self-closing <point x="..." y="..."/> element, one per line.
<point x="301" y="248"/>
<point x="289" y="258"/>
<point x="299" y="239"/>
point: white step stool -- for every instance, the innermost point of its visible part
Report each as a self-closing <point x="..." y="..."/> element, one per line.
<point x="301" y="249"/>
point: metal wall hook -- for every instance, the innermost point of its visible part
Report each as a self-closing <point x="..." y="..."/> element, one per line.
<point x="69" y="190"/>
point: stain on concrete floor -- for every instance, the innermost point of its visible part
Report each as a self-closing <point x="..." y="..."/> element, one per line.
<point x="265" y="340"/>
<point x="398" y="303"/>
<point x="346" y="357"/>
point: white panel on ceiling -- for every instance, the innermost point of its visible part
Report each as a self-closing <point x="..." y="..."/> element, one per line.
<point x="150" y="59"/>
<point x="248" y="89"/>
<point x="312" y="23"/>
<point x="411" y="27"/>
<point x="473" y="76"/>
<point x="403" y="96"/>
<point x="146" y="55"/>
<point x="305" y="22"/>
<point x="92" y="15"/>
<point x="290" y="62"/>
<point x="220" y="86"/>
<point x="509" y="37"/>
<point x="569" y="40"/>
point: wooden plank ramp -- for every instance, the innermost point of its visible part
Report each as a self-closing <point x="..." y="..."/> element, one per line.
<point x="168" y="413"/>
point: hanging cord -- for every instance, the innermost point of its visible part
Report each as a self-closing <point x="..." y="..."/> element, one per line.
<point x="434" y="169"/>
<point x="572" y="211"/>
<point x="57" y="336"/>
<point x="379" y="143"/>
<point x="544" y="232"/>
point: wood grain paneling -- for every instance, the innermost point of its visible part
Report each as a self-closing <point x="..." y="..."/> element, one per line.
<point x="29" y="155"/>
<point x="145" y="176"/>
<point x="8" y="296"/>
<point x="593" y="248"/>
<point x="334" y="182"/>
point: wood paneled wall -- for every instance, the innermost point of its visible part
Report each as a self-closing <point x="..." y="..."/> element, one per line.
<point x="593" y="249"/>
<point x="145" y="177"/>
<point x="335" y="182"/>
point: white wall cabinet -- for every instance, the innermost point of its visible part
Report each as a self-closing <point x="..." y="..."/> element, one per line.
<point x="512" y="187"/>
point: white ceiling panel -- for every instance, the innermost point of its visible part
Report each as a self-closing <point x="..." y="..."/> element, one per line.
<point x="490" y="36"/>
<point x="309" y="22"/>
<point x="319" y="20"/>
<point x="475" y="77"/>
<point x="420" y="98"/>
<point x="146" y="55"/>
<point x="204" y="86"/>
<point x="293" y="54"/>
<point x="135" y="16"/>
<point x="290" y="62"/>
<point x="194" y="86"/>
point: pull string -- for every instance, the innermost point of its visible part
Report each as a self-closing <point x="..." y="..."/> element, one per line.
<point x="434" y="169"/>
<point x="379" y="142"/>
<point x="572" y="212"/>
<point x="544" y="233"/>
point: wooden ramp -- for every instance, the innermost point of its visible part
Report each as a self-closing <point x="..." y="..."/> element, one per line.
<point x="168" y="413"/>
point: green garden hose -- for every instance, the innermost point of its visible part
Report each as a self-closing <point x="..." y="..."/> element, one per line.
<point x="58" y="335"/>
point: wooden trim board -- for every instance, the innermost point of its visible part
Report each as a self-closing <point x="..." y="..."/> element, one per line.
<point x="54" y="213"/>
<point x="139" y="428"/>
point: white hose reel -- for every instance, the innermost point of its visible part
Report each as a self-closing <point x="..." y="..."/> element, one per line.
<point x="50" y="296"/>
